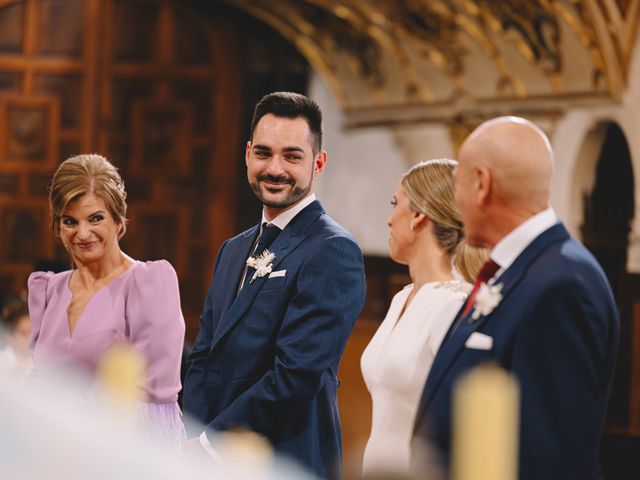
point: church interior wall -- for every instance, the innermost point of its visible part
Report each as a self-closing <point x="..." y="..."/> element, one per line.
<point x="366" y="163"/>
<point x="365" y="166"/>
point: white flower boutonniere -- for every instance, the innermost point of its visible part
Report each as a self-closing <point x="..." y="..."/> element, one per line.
<point x="263" y="264"/>
<point x="487" y="299"/>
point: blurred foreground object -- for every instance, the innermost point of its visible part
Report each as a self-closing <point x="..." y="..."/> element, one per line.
<point x="121" y="371"/>
<point x="245" y="446"/>
<point x="56" y="437"/>
<point x="485" y="425"/>
<point x="14" y="338"/>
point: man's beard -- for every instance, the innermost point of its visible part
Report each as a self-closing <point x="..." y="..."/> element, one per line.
<point x="296" y="193"/>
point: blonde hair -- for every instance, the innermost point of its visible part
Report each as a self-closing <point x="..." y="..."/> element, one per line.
<point x="429" y="185"/>
<point x="83" y="175"/>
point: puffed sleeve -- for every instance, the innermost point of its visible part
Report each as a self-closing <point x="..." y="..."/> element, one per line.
<point x="156" y="327"/>
<point x="37" y="286"/>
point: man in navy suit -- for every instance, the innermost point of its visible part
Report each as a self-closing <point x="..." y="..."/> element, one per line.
<point x="273" y="328"/>
<point x="555" y="326"/>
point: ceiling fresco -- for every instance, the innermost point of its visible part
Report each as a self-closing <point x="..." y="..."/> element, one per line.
<point x="392" y="61"/>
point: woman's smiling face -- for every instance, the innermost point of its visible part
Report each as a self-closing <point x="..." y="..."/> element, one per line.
<point x="88" y="230"/>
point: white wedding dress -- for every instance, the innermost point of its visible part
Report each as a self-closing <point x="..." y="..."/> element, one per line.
<point x="395" y="366"/>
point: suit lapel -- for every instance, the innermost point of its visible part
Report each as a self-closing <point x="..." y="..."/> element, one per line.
<point x="240" y="250"/>
<point x="287" y="241"/>
<point x="453" y="345"/>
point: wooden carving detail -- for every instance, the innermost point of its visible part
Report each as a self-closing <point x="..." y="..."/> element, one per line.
<point x="11" y="21"/>
<point x="8" y="184"/>
<point x="24" y="233"/>
<point x="65" y="88"/>
<point x="161" y="137"/>
<point x="30" y="130"/>
<point x="157" y="110"/>
<point x="54" y="37"/>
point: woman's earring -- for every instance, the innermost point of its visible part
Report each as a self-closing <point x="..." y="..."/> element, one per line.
<point x="411" y="226"/>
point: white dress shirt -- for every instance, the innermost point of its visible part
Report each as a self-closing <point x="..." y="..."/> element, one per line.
<point x="505" y="252"/>
<point x="282" y="220"/>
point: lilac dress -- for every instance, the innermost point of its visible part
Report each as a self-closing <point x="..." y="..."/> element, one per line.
<point x="142" y="307"/>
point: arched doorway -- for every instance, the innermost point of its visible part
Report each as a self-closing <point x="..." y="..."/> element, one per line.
<point x="609" y="207"/>
<point x="607" y="213"/>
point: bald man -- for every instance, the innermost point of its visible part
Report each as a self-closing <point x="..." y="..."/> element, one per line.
<point x="555" y="326"/>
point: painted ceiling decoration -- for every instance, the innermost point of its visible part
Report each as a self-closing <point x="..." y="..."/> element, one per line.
<point x="391" y="61"/>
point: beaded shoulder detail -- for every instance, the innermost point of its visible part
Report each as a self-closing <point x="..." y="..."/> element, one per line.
<point x="455" y="286"/>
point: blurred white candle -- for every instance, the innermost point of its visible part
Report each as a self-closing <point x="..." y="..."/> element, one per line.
<point x="121" y="371"/>
<point x="486" y="419"/>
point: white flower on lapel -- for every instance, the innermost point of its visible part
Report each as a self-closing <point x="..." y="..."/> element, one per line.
<point x="487" y="299"/>
<point x="263" y="264"/>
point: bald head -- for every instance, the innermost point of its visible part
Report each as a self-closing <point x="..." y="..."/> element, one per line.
<point x="503" y="178"/>
<point x="519" y="158"/>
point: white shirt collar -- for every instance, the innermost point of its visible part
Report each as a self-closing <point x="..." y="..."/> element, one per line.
<point x="282" y="220"/>
<point x="513" y="244"/>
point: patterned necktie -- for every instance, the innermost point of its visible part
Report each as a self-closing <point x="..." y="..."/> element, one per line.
<point x="267" y="237"/>
<point x="487" y="271"/>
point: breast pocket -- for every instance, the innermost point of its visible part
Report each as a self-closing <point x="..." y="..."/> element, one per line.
<point x="272" y="283"/>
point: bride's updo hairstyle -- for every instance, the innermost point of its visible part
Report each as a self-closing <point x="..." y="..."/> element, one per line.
<point x="429" y="185"/>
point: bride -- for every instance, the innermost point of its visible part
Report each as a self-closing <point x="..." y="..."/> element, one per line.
<point x="426" y="233"/>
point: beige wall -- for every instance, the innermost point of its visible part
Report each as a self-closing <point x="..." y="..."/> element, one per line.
<point x="364" y="166"/>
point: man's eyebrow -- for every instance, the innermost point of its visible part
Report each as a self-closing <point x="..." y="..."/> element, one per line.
<point x="294" y="149"/>
<point x="261" y="147"/>
<point x="286" y="149"/>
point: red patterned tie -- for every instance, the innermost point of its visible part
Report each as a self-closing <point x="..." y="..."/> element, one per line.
<point x="487" y="271"/>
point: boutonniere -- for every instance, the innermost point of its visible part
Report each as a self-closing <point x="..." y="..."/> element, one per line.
<point x="263" y="264"/>
<point x="487" y="299"/>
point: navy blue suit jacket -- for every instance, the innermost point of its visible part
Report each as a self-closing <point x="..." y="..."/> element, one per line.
<point x="556" y="329"/>
<point x="267" y="359"/>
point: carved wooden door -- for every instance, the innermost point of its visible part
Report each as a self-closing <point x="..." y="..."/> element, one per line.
<point x="149" y="84"/>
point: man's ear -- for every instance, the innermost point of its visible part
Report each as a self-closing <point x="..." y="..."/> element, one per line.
<point x="482" y="184"/>
<point x="247" y="151"/>
<point x="319" y="163"/>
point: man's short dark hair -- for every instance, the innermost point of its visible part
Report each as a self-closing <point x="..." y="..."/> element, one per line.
<point x="291" y="105"/>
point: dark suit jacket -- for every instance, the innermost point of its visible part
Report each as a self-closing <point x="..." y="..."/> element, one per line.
<point x="556" y="329"/>
<point x="267" y="360"/>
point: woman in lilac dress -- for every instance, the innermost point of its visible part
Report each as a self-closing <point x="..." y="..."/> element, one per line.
<point x="108" y="297"/>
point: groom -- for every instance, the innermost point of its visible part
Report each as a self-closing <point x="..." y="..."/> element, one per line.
<point x="555" y="326"/>
<point x="283" y="300"/>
